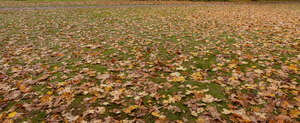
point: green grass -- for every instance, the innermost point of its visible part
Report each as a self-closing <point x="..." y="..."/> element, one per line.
<point x="140" y="49"/>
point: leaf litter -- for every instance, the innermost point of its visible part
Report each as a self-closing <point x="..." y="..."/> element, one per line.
<point x="235" y="63"/>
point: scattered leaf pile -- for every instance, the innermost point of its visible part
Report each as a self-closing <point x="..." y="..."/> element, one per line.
<point x="225" y="63"/>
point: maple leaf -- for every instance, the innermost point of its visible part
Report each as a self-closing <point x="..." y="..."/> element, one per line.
<point x="12" y="114"/>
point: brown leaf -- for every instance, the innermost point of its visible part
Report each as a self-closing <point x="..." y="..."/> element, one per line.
<point x="213" y="111"/>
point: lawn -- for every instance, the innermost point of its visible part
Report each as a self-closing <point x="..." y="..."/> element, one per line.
<point x="223" y="63"/>
<point x="39" y="3"/>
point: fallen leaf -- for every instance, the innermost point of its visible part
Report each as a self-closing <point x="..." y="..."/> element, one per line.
<point x="129" y="109"/>
<point x="156" y="114"/>
<point x="213" y="111"/>
<point x="178" y="79"/>
<point x="197" y="76"/>
<point x="200" y="120"/>
<point x="209" y="99"/>
<point x="294" y="113"/>
<point x="12" y="114"/>
<point x="103" y="77"/>
<point x="100" y="110"/>
<point x="45" y="99"/>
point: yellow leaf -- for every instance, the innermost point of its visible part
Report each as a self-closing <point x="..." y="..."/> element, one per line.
<point x="155" y="114"/>
<point x="55" y="68"/>
<point x="107" y="88"/>
<point x="294" y="92"/>
<point x="165" y="102"/>
<point x="194" y="53"/>
<point x="93" y="99"/>
<point x="22" y="88"/>
<point x="18" y="84"/>
<point x="122" y="77"/>
<point x="130" y="66"/>
<point x="197" y="76"/>
<point x="297" y="99"/>
<point x="200" y="120"/>
<point x="178" y="79"/>
<point x="294" y="113"/>
<point x="232" y="66"/>
<point x="130" y="108"/>
<point x="121" y="90"/>
<point x="61" y="84"/>
<point x="49" y="92"/>
<point x="14" y="69"/>
<point x="12" y="114"/>
<point x="45" y="99"/>
<point x="293" y="67"/>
